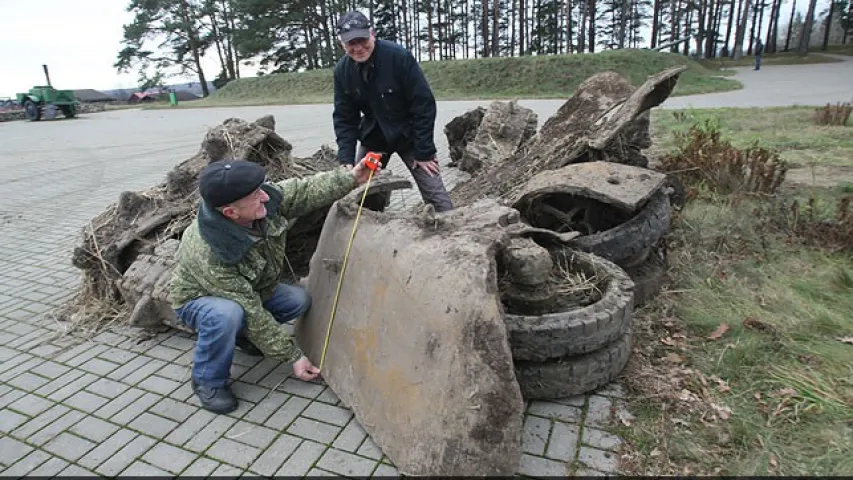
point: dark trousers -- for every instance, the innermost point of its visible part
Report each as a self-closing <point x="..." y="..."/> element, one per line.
<point x="431" y="186"/>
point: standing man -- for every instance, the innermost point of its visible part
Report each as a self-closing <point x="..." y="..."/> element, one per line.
<point x="759" y="50"/>
<point x="384" y="82"/>
<point x="225" y="284"/>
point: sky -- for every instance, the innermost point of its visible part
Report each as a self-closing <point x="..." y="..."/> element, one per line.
<point x="80" y="42"/>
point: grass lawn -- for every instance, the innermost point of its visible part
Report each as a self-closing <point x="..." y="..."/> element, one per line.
<point x="788" y="129"/>
<point x="545" y="76"/>
<point x="743" y="365"/>
<point x="841" y="49"/>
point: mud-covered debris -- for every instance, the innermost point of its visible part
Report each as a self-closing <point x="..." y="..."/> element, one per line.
<point x="505" y="126"/>
<point x="606" y="119"/>
<point x="460" y="131"/>
<point x="419" y="353"/>
<point x="623" y="186"/>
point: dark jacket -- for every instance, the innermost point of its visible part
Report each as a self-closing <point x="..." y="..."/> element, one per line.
<point x="396" y="98"/>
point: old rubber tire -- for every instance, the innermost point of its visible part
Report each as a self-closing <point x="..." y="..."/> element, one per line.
<point x="580" y="330"/>
<point x="649" y="277"/>
<point x="32" y="110"/>
<point x="70" y="111"/>
<point x="573" y="375"/>
<point x="630" y="238"/>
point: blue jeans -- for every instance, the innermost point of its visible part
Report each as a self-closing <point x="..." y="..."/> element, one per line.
<point x="218" y="321"/>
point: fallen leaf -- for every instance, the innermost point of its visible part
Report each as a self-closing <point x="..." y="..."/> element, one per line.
<point x="722" y="385"/>
<point x="674" y="358"/>
<point x="773" y="461"/>
<point x="655" y="453"/>
<point x="754" y="323"/>
<point x="785" y="392"/>
<point x="719" y="332"/>
<point x="687" y="396"/>
<point x="847" y="340"/>
<point x="757" y="395"/>
<point x="723" y="411"/>
<point x="668" y="341"/>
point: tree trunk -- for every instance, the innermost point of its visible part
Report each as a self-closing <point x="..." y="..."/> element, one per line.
<point x="718" y="23"/>
<point x="416" y="20"/>
<point x="569" y="33"/>
<point x="466" y="10"/>
<point x="729" y="50"/>
<point x="441" y="32"/>
<point x="430" y="38"/>
<point x="655" y="23"/>
<point x="769" y="37"/>
<point x="741" y="31"/>
<point x="521" y="20"/>
<point x="217" y="39"/>
<point x="700" y="34"/>
<point x="584" y="7"/>
<point x="591" y="26"/>
<point x="752" y="28"/>
<point x="674" y="24"/>
<point x="803" y="48"/>
<point x="513" y="13"/>
<point x="311" y="46"/>
<point x="790" y="26"/>
<point x="193" y="41"/>
<point x="407" y="39"/>
<point x="496" y="50"/>
<point x="828" y="24"/>
<point x="328" y="50"/>
<point x="484" y="27"/>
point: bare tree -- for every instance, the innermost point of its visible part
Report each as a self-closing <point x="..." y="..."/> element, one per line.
<point x="803" y="48"/>
<point x="790" y="26"/>
<point x="656" y="14"/>
<point x="592" y="6"/>
<point x="828" y="27"/>
<point x="741" y="31"/>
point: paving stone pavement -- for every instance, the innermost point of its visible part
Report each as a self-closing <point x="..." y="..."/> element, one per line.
<point x="118" y="405"/>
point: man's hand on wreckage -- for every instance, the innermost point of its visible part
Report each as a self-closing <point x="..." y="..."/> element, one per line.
<point x="431" y="166"/>
<point x="305" y="370"/>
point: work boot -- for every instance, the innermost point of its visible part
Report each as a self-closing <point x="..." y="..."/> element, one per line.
<point x="246" y="345"/>
<point x="217" y="400"/>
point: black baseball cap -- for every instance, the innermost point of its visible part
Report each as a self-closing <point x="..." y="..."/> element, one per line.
<point x="226" y="181"/>
<point x="353" y="24"/>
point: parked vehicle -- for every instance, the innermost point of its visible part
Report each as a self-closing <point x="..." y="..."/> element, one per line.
<point x="44" y="101"/>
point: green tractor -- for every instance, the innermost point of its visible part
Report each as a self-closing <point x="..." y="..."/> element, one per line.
<point x="46" y="101"/>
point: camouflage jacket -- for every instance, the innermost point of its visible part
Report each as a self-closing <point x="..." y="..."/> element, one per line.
<point x="218" y="257"/>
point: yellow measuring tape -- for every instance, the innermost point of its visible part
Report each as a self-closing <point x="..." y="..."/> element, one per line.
<point x="374" y="158"/>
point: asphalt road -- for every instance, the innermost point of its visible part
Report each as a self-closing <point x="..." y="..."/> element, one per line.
<point x="83" y="164"/>
<point x="781" y="85"/>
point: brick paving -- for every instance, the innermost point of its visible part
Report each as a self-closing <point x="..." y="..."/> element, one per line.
<point x="115" y="405"/>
